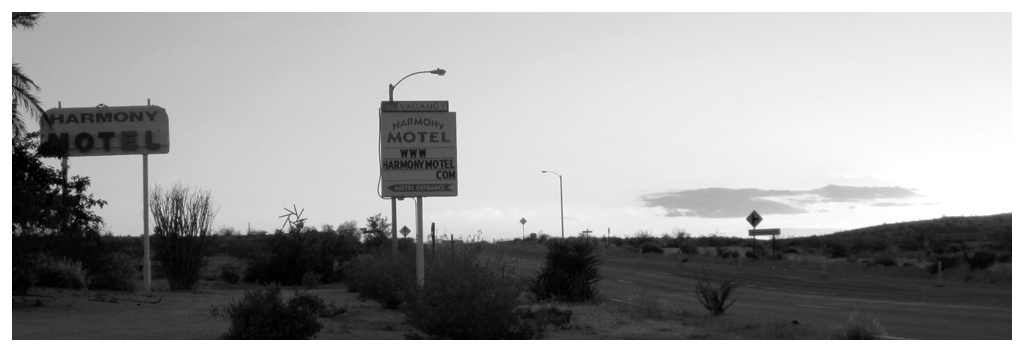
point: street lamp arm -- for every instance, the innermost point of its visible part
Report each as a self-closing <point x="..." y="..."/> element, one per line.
<point x="391" y="87"/>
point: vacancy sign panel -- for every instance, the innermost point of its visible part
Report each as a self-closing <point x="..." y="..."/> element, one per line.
<point x="418" y="154"/>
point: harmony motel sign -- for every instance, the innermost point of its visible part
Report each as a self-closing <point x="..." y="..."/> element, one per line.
<point x="115" y="130"/>
<point x="418" y="149"/>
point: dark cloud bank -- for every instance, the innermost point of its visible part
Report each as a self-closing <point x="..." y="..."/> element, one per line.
<point x="729" y="203"/>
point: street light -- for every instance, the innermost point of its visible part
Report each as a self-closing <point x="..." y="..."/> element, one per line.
<point x="394" y="205"/>
<point x="391" y="87"/>
<point x="561" y="203"/>
<point x="419" y="200"/>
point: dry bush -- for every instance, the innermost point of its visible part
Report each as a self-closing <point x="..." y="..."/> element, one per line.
<point x="230" y="274"/>
<point x="262" y="315"/>
<point x="466" y="298"/>
<point x="115" y="273"/>
<point x="570" y="271"/>
<point x="311" y="280"/>
<point x="714" y="299"/>
<point x="855" y="329"/>
<point x="381" y="277"/>
<point x="49" y="271"/>
<point x="182" y="220"/>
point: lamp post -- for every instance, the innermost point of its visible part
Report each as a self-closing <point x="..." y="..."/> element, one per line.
<point x="561" y="202"/>
<point x="419" y="200"/>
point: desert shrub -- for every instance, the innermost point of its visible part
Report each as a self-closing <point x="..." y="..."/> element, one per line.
<point x="570" y="271"/>
<point x="835" y="250"/>
<point x="884" y="261"/>
<point x="262" y="315"/>
<point x="182" y="219"/>
<point x="948" y="262"/>
<point x="688" y="248"/>
<point x="230" y="274"/>
<point x="791" y="251"/>
<point x="117" y="273"/>
<point x="464" y="298"/>
<point x="981" y="260"/>
<point x="714" y="299"/>
<point x="855" y="329"/>
<point x="23" y="281"/>
<point x="289" y="256"/>
<point x="60" y="273"/>
<point x="311" y="280"/>
<point x="651" y="247"/>
<point x="1004" y="258"/>
<point x="382" y="277"/>
<point x="750" y="255"/>
<point x="307" y="301"/>
<point x="543" y="238"/>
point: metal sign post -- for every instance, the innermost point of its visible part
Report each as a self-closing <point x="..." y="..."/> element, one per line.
<point x="419" y="241"/>
<point x="523" y="222"/>
<point x="113" y="130"/>
<point x="418" y="157"/>
<point x="754" y="218"/>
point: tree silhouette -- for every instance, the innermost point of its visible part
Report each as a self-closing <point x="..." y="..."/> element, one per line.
<point x="22" y="86"/>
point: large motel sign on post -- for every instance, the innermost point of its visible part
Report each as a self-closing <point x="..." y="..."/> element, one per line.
<point x="418" y="156"/>
<point x="418" y="149"/>
<point x="113" y="130"/>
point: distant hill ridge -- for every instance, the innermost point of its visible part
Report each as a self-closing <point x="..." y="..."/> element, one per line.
<point x="948" y="229"/>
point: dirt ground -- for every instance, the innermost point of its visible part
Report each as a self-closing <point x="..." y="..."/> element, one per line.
<point x="649" y="300"/>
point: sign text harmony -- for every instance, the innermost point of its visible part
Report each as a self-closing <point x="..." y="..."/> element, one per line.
<point x="115" y="130"/>
<point x="418" y="154"/>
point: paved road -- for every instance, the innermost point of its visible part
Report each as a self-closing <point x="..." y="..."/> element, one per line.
<point x="912" y="309"/>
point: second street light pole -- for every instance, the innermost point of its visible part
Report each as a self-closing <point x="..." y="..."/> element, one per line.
<point x="561" y="202"/>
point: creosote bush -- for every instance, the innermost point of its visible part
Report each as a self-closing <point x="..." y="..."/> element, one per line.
<point x="230" y="274"/>
<point x="981" y="260"/>
<point x="117" y="273"/>
<point x="59" y="273"/>
<point x="465" y="298"/>
<point x="290" y="256"/>
<point x="382" y="277"/>
<point x="311" y="280"/>
<point x="263" y="315"/>
<point x="182" y="219"/>
<point x="855" y="329"/>
<point x="651" y="247"/>
<point x="570" y="271"/>
<point x="714" y="299"/>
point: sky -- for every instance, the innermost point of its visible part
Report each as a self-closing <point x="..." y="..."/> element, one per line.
<point x="656" y="121"/>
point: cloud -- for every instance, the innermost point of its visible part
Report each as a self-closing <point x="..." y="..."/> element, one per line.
<point x="730" y="203"/>
<point x="833" y="193"/>
<point x="890" y="204"/>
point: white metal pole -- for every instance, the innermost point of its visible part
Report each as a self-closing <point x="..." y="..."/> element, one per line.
<point x="394" y="227"/>
<point x="419" y="241"/>
<point x="561" y="204"/>
<point x="146" y="266"/>
<point x="146" y="274"/>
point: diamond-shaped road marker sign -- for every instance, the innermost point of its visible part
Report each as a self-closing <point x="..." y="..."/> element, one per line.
<point x="405" y="231"/>
<point x="754" y="218"/>
<point x="522" y="221"/>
